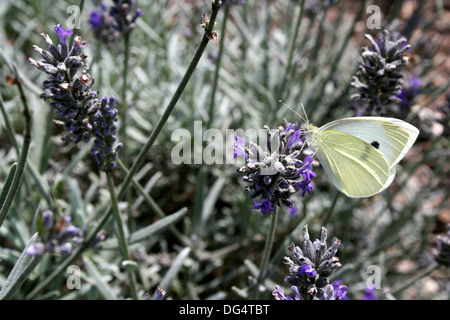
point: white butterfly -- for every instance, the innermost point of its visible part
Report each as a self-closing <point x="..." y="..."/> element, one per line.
<point x="359" y="154"/>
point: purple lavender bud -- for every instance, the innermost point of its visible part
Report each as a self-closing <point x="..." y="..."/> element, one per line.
<point x="95" y="20"/>
<point x="67" y="88"/>
<point x="108" y="25"/>
<point x="36" y="249"/>
<point x="62" y="34"/>
<point x="160" y="293"/>
<point x="293" y="211"/>
<point x="64" y="249"/>
<point x="47" y="219"/>
<point x="370" y="294"/>
<point x="308" y="270"/>
<point x="265" y="206"/>
<point x="72" y="231"/>
<point x="104" y="129"/>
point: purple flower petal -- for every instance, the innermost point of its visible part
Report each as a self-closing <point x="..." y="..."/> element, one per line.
<point x="239" y="147"/>
<point x="370" y="294"/>
<point x="265" y="206"/>
<point x="308" y="270"/>
<point x="293" y="211"/>
<point x="62" y="33"/>
<point x="294" y="138"/>
<point x="339" y="292"/>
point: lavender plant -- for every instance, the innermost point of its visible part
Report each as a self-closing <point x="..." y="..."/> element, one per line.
<point x="108" y="26"/>
<point x="290" y="50"/>
<point x="56" y="235"/>
<point x="442" y="252"/>
<point x="83" y="116"/>
<point x="310" y="270"/>
<point x="276" y="173"/>
<point x="104" y="129"/>
<point x="76" y="106"/>
<point x="104" y="132"/>
<point x="379" y="79"/>
<point x="69" y="85"/>
<point x="410" y="90"/>
<point x="120" y="19"/>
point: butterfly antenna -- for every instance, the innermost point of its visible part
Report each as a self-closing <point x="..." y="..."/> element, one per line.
<point x="284" y="104"/>
<point x="304" y="111"/>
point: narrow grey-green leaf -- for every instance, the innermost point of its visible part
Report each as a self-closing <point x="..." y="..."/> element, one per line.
<point x="102" y="286"/>
<point x="210" y="201"/>
<point x="41" y="183"/>
<point x="5" y="190"/>
<point x="149" y="231"/>
<point x="22" y="269"/>
<point x="198" y="202"/>
<point x="174" y="268"/>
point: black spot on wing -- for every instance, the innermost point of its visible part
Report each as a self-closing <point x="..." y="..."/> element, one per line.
<point x="375" y="144"/>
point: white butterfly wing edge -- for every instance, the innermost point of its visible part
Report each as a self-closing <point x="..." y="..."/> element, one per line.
<point x="367" y="129"/>
<point x="382" y="130"/>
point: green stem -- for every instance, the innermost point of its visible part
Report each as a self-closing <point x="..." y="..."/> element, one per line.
<point x="218" y="64"/>
<point x="267" y="251"/>
<point x="202" y="177"/>
<point x="314" y="54"/>
<point x="265" y="45"/>
<point x="121" y="237"/>
<point x="6" y="205"/>
<point x="5" y="189"/>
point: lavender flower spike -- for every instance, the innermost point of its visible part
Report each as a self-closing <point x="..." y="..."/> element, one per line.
<point x="310" y="269"/>
<point x="104" y="129"/>
<point x="68" y="89"/>
<point x="120" y="19"/>
<point x="276" y="173"/>
<point x="379" y="80"/>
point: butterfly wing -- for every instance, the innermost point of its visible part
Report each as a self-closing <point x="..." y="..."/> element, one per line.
<point x="392" y="137"/>
<point x="356" y="168"/>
